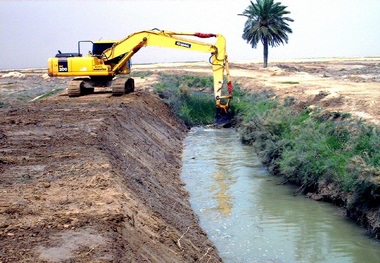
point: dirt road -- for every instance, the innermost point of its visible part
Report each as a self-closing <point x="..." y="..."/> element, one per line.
<point x="96" y="178"/>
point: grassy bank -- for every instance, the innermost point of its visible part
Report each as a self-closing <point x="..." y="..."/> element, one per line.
<point x="330" y="155"/>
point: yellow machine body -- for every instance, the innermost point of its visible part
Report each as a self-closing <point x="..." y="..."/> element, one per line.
<point x="78" y="66"/>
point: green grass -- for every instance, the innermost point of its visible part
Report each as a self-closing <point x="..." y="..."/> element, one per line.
<point x="50" y="93"/>
<point x="181" y="93"/>
<point x="289" y="82"/>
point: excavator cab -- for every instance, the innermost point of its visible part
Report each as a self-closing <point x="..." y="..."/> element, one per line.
<point x="98" y="48"/>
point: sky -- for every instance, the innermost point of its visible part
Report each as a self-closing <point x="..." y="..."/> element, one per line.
<point x="32" y="31"/>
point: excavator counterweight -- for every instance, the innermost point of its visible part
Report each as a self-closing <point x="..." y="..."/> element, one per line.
<point x="110" y="59"/>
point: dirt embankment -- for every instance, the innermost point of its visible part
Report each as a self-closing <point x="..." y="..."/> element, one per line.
<point x="95" y="179"/>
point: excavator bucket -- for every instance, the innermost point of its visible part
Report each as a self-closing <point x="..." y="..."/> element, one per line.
<point x="223" y="118"/>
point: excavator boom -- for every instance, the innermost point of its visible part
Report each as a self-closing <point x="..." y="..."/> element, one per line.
<point x="115" y="60"/>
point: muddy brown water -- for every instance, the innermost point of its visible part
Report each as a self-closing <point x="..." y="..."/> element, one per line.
<point x="252" y="217"/>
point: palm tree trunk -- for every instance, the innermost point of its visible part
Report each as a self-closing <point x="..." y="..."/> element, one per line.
<point x="265" y="43"/>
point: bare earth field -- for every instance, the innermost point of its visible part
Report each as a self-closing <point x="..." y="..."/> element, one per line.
<point x="96" y="178"/>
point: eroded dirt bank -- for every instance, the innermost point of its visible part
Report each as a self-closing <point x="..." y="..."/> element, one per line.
<point x="95" y="180"/>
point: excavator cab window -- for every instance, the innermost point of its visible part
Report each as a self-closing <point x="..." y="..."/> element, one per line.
<point x="99" y="47"/>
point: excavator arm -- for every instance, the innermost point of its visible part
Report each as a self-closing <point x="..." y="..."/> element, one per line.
<point x="129" y="46"/>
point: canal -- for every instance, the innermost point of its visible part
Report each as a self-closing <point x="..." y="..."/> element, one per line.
<point x="251" y="217"/>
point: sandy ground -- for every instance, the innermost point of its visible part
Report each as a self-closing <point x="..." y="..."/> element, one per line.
<point x="96" y="178"/>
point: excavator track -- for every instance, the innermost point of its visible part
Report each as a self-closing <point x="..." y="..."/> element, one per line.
<point x="77" y="87"/>
<point x="122" y="86"/>
<point x="118" y="87"/>
<point x="74" y="88"/>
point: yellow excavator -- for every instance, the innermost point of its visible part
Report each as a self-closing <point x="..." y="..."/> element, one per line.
<point x="109" y="60"/>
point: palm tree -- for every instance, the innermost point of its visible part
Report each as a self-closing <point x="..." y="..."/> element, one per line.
<point x="266" y="23"/>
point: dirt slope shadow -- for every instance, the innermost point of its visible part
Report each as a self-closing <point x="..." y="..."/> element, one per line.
<point x="95" y="180"/>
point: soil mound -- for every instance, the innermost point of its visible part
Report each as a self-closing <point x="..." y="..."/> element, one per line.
<point x="95" y="180"/>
